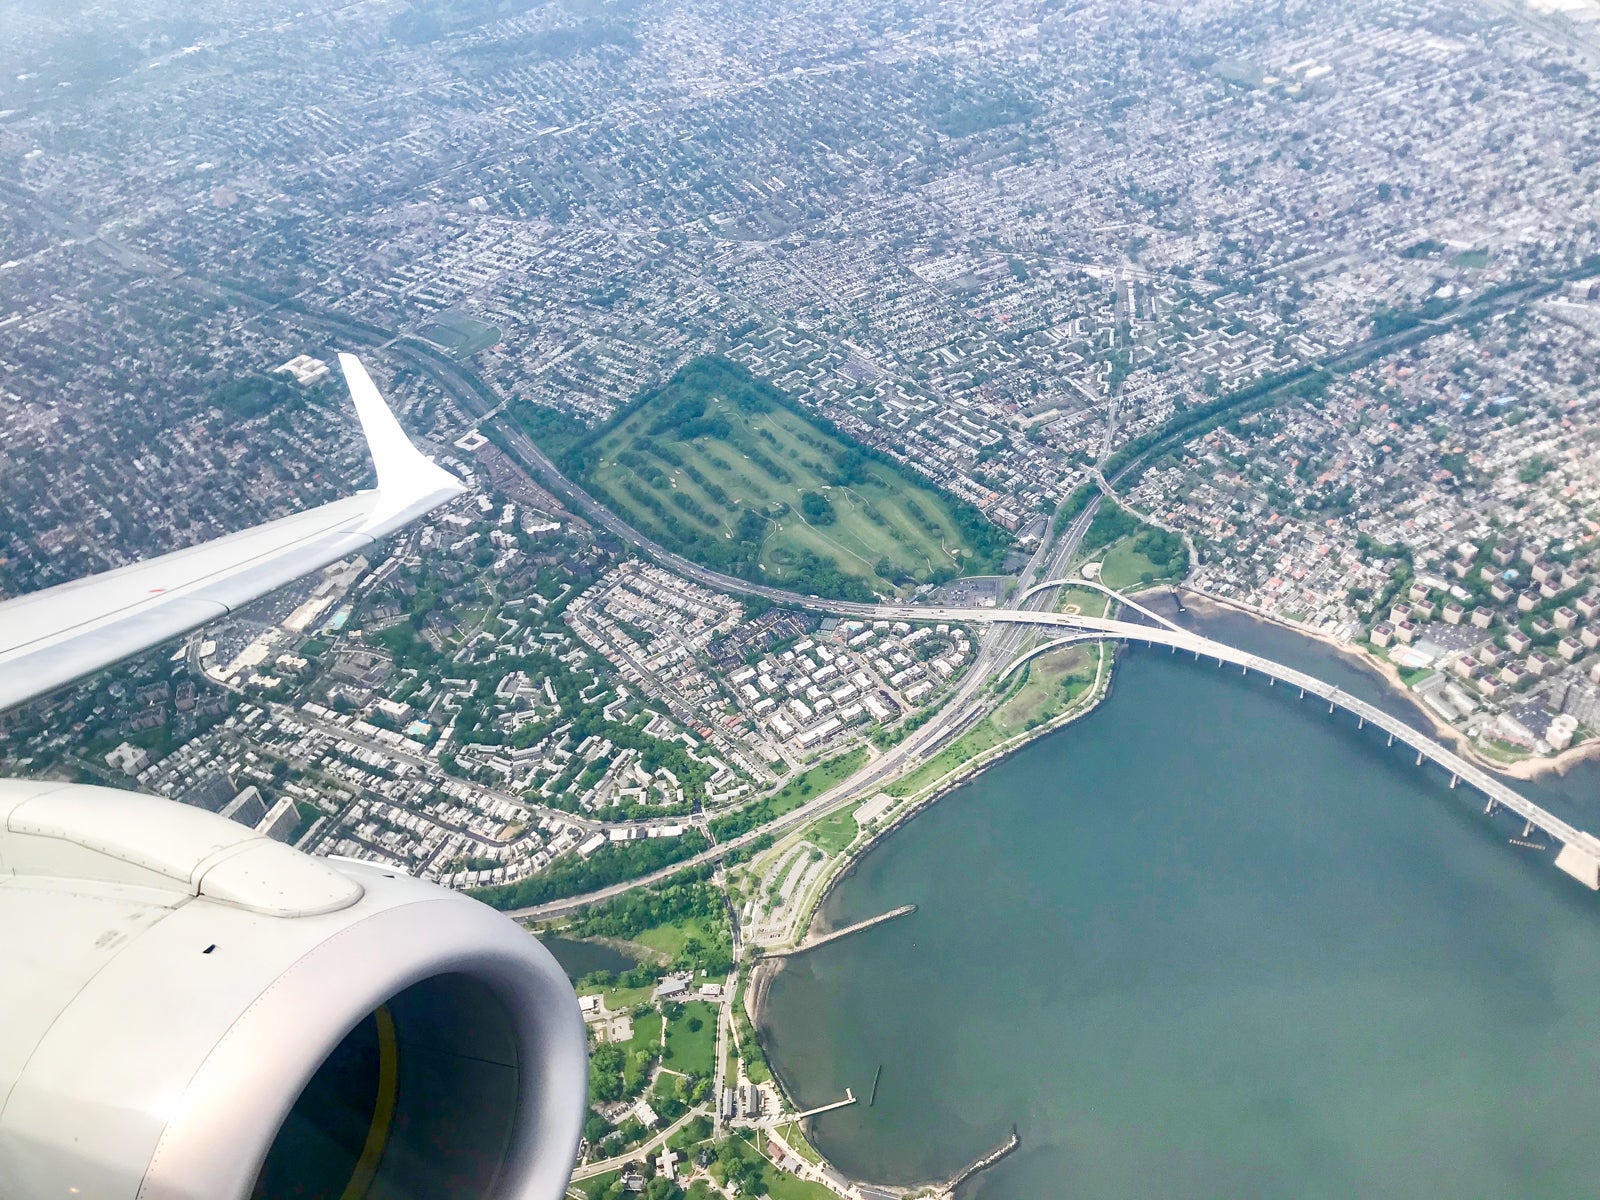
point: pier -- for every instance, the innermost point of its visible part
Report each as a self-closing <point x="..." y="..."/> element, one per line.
<point x="849" y="1099"/>
<point x="811" y="943"/>
<point x="983" y="1164"/>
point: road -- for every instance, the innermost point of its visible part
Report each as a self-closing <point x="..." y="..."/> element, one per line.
<point x="994" y="646"/>
<point x="589" y="1170"/>
<point x="949" y="723"/>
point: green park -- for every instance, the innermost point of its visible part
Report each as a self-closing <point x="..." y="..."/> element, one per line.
<point x="727" y="470"/>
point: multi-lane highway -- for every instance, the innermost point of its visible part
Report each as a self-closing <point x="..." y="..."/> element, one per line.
<point x="1580" y="856"/>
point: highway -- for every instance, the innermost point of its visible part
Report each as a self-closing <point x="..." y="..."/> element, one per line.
<point x="1580" y="856"/>
<point x="1496" y="790"/>
<point x="1582" y="853"/>
<point x="994" y="647"/>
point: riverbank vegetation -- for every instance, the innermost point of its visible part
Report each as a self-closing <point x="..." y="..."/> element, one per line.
<point x="1049" y="685"/>
<point x="796" y="792"/>
<point x="684" y="920"/>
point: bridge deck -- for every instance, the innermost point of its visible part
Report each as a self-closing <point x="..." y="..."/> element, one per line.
<point x="1495" y="789"/>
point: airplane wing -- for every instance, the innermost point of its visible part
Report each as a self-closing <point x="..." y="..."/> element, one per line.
<point x="52" y="637"/>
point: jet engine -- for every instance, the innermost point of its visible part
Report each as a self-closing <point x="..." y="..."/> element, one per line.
<point x="192" y="1011"/>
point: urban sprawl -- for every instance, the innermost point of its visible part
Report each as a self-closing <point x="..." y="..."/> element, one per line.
<point x="737" y="319"/>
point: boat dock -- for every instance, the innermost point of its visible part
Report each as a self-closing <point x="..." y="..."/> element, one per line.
<point x="849" y="1099"/>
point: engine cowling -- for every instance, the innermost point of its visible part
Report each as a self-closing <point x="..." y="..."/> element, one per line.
<point x="191" y="1011"/>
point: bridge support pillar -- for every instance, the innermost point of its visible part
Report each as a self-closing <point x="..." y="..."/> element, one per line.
<point x="1244" y="670"/>
<point x="1488" y="809"/>
<point x="1454" y="779"/>
<point x="1419" y="758"/>
<point x="1581" y="865"/>
<point x="1302" y="693"/>
<point x="1361" y="722"/>
<point x="1391" y="739"/>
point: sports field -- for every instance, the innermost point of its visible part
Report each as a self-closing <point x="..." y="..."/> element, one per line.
<point x="457" y="334"/>
<point x="720" y="467"/>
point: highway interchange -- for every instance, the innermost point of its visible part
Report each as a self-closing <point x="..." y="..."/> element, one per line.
<point x="1001" y="633"/>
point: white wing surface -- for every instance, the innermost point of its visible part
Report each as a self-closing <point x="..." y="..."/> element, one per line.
<point x="52" y="637"/>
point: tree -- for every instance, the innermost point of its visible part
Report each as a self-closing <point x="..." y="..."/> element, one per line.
<point x="816" y="508"/>
<point x="739" y="1169"/>
<point x="605" y="1073"/>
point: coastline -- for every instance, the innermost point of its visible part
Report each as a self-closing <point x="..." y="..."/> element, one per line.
<point x="764" y="970"/>
<point x="813" y="923"/>
<point x="914" y="806"/>
<point x="1525" y="769"/>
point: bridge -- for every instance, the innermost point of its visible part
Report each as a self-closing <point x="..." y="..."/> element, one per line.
<point x="1580" y="853"/>
<point x="1579" y="856"/>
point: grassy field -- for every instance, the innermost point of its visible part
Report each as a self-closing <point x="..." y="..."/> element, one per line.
<point x="621" y="999"/>
<point x="670" y="939"/>
<point x="794" y="793"/>
<point x="694" y="1051"/>
<point x="642" y="1049"/>
<point x="1133" y="554"/>
<point x="779" y="1184"/>
<point x="595" y="1186"/>
<point x="833" y="834"/>
<point x="1126" y="568"/>
<point x="722" y="468"/>
<point x="457" y="334"/>
<point x="818" y="780"/>
<point x="1082" y="601"/>
<point x="796" y="1137"/>
<point x="1054" y="681"/>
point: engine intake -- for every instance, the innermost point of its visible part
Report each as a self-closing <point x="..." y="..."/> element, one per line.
<point x="209" y="1015"/>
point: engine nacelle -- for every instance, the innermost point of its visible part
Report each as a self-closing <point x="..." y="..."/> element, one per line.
<point x="191" y="1011"/>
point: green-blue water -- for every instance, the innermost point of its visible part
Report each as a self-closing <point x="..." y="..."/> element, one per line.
<point x="1209" y="942"/>
<point x="579" y="958"/>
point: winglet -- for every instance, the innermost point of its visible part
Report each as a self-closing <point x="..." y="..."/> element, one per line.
<point x="405" y="474"/>
<point x="54" y="636"/>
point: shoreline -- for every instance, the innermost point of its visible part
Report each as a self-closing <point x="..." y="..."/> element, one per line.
<point x="939" y="789"/>
<point x="1528" y="769"/>
<point x="764" y="970"/>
